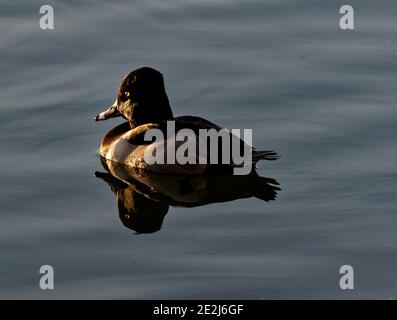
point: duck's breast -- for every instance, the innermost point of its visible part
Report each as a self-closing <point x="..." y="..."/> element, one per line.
<point x="120" y="150"/>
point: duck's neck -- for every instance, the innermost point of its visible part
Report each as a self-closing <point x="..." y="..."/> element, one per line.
<point x="151" y="112"/>
<point x="161" y="110"/>
<point x="132" y="124"/>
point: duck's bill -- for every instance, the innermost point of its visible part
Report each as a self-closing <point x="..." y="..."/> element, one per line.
<point x="112" y="112"/>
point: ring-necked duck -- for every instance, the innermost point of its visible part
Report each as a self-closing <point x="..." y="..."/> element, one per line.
<point x="142" y="100"/>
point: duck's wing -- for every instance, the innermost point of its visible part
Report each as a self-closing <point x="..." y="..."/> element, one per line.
<point x="196" y="123"/>
<point x="136" y="137"/>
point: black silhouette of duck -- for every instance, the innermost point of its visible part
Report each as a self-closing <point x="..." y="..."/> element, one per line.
<point x="142" y="100"/>
<point x="144" y="197"/>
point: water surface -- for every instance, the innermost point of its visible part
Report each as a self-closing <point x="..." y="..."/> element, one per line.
<point x="322" y="97"/>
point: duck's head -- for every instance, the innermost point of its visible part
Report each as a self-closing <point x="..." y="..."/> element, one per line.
<point x="141" y="99"/>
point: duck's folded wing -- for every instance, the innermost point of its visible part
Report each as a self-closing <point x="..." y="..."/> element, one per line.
<point x="196" y="123"/>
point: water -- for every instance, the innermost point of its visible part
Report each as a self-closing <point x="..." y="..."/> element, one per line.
<point x="322" y="97"/>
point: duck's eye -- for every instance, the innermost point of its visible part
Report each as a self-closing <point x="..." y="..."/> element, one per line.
<point x="127" y="94"/>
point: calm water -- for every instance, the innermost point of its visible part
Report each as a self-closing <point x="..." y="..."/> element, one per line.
<point x="325" y="99"/>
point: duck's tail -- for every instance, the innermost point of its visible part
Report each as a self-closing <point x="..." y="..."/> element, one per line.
<point x="266" y="189"/>
<point x="264" y="155"/>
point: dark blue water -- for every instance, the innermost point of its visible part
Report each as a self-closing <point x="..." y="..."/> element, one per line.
<point x="324" y="98"/>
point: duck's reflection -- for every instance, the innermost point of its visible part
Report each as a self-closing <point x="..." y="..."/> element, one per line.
<point x="143" y="198"/>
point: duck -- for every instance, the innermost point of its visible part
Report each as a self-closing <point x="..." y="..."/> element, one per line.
<point x="142" y="101"/>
